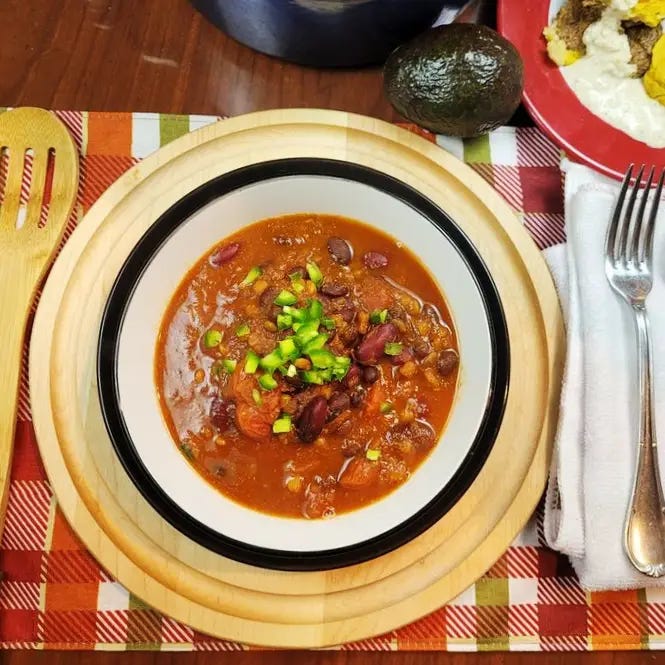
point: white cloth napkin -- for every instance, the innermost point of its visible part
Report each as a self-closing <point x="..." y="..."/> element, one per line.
<point x="595" y="449"/>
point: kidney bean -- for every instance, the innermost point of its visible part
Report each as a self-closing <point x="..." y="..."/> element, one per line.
<point x="422" y="349"/>
<point x="352" y="377"/>
<point x="334" y="290"/>
<point x="222" y="413"/>
<point x="418" y="431"/>
<point x="357" y="396"/>
<point x="224" y="254"/>
<point x="340" y="250"/>
<point x="312" y="419"/>
<point x="338" y="403"/>
<point x="371" y="347"/>
<point x="370" y="374"/>
<point x="447" y="361"/>
<point x="374" y="260"/>
<point x="402" y="357"/>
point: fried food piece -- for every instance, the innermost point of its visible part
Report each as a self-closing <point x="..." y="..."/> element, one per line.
<point x="642" y="40"/>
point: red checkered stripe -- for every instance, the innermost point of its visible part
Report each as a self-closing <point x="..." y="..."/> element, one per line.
<point x="54" y="595"/>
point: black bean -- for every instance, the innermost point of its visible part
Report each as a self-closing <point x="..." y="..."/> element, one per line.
<point x="338" y="403"/>
<point x="312" y="419"/>
<point x="340" y="250"/>
<point x="447" y="361"/>
<point x="370" y="374"/>
<point x="372" y="346"/>
<point x="222" y="413"/>
<point x="224" y="254"/>
<point x="334" y="290"/>
<point x="374" y="260"/>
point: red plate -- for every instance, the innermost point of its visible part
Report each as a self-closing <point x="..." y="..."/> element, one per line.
<point x="555" y="107"/>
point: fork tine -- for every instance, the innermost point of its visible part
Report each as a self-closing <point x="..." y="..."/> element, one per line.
<point x="625" y="224"/>
<point x="647" y="255"/>
<point x="639" y="218"/>
<point x="611" y="237"/>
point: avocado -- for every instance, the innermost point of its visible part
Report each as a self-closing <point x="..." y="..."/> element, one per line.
<point x="460" y="79"/>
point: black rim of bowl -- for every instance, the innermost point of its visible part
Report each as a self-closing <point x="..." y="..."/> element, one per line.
<point x="122" y="293"/>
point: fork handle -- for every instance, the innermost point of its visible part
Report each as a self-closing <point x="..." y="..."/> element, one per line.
<point x="19" y="283"/>
<point x="645" y="521"/>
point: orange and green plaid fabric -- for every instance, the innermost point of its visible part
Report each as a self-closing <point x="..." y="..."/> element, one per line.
<point x="55" y="596"/>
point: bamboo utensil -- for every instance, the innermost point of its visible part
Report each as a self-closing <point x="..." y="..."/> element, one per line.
<point x="37" y="194"/>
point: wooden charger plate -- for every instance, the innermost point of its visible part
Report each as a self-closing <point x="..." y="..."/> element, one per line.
<point x="234" y="600"/>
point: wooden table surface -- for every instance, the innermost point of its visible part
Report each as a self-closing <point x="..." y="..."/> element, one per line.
<point x="160" y="55"/>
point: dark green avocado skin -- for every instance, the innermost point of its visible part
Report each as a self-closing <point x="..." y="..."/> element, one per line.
<point x="460" y="79"/>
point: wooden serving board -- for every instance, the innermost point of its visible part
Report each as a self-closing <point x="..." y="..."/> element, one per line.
<point x="233" y="600"/>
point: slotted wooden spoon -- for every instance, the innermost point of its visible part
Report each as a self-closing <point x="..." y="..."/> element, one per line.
<point x="36" y="149"/>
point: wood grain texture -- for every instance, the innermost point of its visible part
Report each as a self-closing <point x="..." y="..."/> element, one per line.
<point x="162" y="56"/>
<point x="190" y="583"/>
<point x="27" y="246"/>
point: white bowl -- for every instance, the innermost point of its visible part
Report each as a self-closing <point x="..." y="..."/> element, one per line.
<point x="155" y="269"/>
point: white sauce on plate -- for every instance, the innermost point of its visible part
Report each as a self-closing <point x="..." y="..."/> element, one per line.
<point x="602" y="81"/>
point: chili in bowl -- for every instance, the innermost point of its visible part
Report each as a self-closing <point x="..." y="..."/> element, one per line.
<point x="303" y="364"/>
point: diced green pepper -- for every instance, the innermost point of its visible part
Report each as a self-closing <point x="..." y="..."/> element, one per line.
<point x="321" y="358"/>
<point x="272" y="361"/>
<point x="392" y="348"/>
<point x="315" y="309"/>
<point x="339" y="373"/>
<point x="317" y="342"/>
<point x="379" y="316"/>
<point x="373" y="455"/>
<point x="229" y="365"/>
<point x="212" y="338"/>
<point x="267" y="382"/>
<point x="295" y="313"/>
<point x="242" y="330"/>
<point x="307" y="331"/>
<point x="312" y="376"/>
<point x="326" y="374"/>
<point x="285" y="298"/>
<point x="256" y="396"/>
<point x="296" y="275"/>
<point x="284" y="321"/>
<point x="386" y="407"/>
<point x="282" y="425"/>
<point x="298" y="286"/>
<point x="315" y="273"/>
<point x="251" y="362"/>
<point x="328" y="323"/>
<point x="253" y="274"/>
<point x="288" y="348"/>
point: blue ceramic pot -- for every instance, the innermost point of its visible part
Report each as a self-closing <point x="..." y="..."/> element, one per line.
<point x="324" y="33"/>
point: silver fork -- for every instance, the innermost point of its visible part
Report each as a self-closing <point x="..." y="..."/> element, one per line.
<point x="628" y="266"/>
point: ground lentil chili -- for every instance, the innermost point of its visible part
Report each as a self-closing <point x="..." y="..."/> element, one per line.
<point x="307" y="365"/>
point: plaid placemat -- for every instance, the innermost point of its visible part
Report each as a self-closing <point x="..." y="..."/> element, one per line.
<point x="54" y="594"/>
